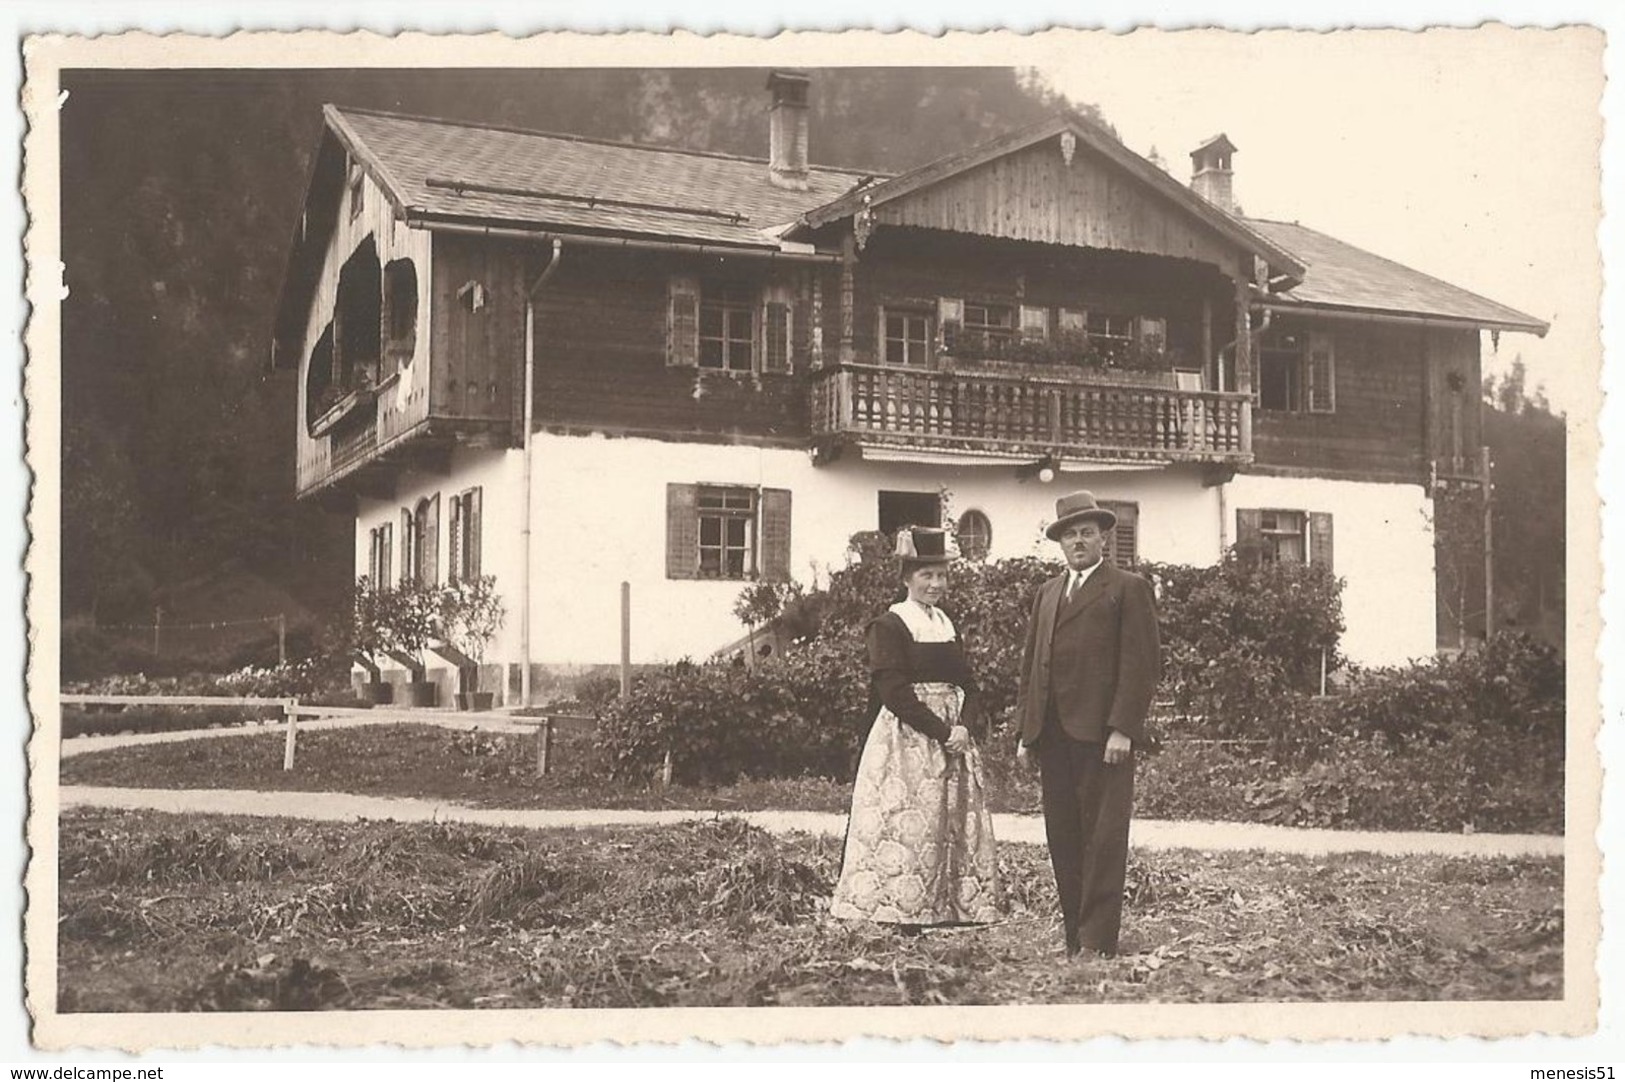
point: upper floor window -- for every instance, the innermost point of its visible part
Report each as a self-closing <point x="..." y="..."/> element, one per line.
<point x="1297" y="373"/>
<point x="907" y="334"/>
<point x="727" y="330"/>
<point x="1111" y="333"/>
<point x="729" y="326"/>
<point x="988" y="328"/>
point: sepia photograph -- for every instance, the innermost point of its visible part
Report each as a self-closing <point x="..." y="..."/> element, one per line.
<point x="648" y="537"/>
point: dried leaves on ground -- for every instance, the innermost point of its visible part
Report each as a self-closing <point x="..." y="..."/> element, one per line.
<point x="186" y="913"/>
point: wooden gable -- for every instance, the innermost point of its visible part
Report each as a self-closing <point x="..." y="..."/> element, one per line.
<point x="1034" y="194"/>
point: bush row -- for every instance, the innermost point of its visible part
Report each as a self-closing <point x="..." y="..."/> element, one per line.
<point x="1246" y="647"/>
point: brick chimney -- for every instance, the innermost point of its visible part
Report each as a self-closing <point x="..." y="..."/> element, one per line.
<point x="787" y="130"/>
<point x="1211" y="174"/>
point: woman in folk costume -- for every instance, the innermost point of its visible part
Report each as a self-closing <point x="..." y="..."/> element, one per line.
<point x="919" y="841"/>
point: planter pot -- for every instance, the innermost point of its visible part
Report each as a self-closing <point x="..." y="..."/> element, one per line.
<point x="475" y="700"/>
<point x="422" y="694"/>
<point x="377" y="692"/>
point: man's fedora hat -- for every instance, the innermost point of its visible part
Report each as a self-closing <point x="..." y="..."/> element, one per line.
<point x="921" y="545"/>
<point x="1079" y="507"/>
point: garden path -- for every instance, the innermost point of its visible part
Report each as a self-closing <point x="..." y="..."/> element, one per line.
<point x="1146" y="833"/>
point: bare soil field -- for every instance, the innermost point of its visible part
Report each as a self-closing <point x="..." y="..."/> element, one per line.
<point x="192" y="913"/>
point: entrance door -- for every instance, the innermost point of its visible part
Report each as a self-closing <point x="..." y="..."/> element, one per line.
<point x="899" y="509"/>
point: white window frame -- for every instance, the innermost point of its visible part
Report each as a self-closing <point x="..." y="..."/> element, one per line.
<point x="729" y="505"/>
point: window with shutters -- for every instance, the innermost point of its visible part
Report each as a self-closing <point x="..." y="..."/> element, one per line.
<point x="1277" y="535"/>
<point x="380" y="556"/>
<point x="1123" y="546"/>
<point x="464" y="536"/>
<point x="727" y="532"/>
<point x="420" y="528"/>
<point x="906" y="333"/>
<point x="1297" y="373"/>
<point x="974" y="535"/>
<point x="727" y="329"/>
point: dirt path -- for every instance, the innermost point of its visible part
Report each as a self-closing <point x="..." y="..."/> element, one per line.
<point x="1147" y="833"/>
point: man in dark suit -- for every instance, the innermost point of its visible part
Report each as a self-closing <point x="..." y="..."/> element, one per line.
<point x="1088" y="673"/>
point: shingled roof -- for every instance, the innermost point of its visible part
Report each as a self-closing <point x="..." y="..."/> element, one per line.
<point x="1341" y="276"/>
<point x="440" y="170"/>
<point x="436" y="170"/>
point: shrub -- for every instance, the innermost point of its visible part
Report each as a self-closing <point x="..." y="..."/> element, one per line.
<point x="724" y="722"/>
<point x="1509" y="690"/>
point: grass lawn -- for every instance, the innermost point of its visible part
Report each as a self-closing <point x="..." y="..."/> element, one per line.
<point x="183" y="913"/>
<point x="1184" y="781"/>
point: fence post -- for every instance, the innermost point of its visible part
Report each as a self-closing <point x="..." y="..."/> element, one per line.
<point x="626" y="639"/>
<point x="157" y="626"/>
<point x="281" y="638"/>
<point x="544" y="745"/>
<point x="290" y="707"/>
<point x="665" y="769"/>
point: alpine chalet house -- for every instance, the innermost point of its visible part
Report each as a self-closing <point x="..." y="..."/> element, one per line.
<point x="572" y="363"/>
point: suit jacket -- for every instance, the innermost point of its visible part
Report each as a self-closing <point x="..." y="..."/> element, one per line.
<point x="1097" y="656"/>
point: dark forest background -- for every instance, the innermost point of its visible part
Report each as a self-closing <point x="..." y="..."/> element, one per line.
<point x="180" y="194"/>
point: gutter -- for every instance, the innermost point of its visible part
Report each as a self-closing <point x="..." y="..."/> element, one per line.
<point x="789" y="252"/>
<point x="525" y="503"/>
<point x="1534" y="327"/>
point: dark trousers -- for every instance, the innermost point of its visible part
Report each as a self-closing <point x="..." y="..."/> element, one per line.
<point x="1087" y="805"/>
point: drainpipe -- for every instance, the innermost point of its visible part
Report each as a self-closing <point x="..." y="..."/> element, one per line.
<point x="529" y="412"/>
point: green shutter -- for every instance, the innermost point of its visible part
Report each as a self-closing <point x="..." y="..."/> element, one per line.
<point x="454" y="540"/>
<point x="1320" y="539"/>
<point x="683" y="322"/>
<point x="431" y="543"/>
<point x="776" y="534"/>
<point x="1125" y="543"/>
<point x="474" y="516"/>
<point x="682" y="532"/>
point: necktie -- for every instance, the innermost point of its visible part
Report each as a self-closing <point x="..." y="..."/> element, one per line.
<point x="1071" y="584"/>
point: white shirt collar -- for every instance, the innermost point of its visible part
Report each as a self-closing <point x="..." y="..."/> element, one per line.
<point x="1081" y="577"/>
<point x="926" y="623"/>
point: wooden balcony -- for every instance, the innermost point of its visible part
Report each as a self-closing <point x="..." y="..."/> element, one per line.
<point x="1073" y="414"/>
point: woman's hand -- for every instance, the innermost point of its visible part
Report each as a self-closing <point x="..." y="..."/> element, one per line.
<point x="958" y="740"/>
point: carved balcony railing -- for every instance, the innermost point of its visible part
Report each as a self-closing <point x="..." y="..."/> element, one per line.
<point x="1080" y="416"/>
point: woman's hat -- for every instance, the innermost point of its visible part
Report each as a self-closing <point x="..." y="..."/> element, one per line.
<point x="1079" y="507"/>
<point x="921" y="545"/>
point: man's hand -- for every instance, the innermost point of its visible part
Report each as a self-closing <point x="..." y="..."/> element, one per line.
<point x="958" y="740"/>
<point x="1118" y="747"/>
<point x="1024" y="756"/>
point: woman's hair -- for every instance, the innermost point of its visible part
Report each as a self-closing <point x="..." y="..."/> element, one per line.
<point x="911" y="565"/>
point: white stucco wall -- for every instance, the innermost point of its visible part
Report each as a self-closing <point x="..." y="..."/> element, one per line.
<point x="499" y="475"/>
<point x="599" y="518"/>
<point x="1382" y="542"/>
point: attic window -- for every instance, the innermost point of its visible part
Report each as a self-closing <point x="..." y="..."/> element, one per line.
<point x="471" y="295"/>
<point x="356" y="188"/>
